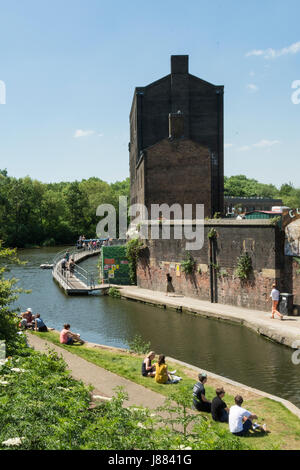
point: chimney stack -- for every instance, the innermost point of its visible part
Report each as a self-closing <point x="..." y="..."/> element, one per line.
<point x="179" y="64"/>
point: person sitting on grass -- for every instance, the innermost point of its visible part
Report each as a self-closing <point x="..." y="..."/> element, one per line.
<point x="219" y="410"/>
<point x="27" y="319"/>
<point x="200" y="402"/>
<point x="148" y="370"/>
<point x="162" y="375"/>
<point x="240" y="419"/>
<point x="39" y="325"/>
<point x="67" y="337"/>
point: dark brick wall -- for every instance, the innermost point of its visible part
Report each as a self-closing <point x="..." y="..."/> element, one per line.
<point x="178" y="171"/>
<point x="260" y="241"/>
<point x="202" y="106"/>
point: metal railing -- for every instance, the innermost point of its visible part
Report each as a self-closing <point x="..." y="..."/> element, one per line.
<point x="78" y="273"/>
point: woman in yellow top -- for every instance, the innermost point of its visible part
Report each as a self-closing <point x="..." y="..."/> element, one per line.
<point x="162" y="375"/>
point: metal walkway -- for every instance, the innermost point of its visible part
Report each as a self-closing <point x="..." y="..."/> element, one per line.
<point x="80" y="282"/>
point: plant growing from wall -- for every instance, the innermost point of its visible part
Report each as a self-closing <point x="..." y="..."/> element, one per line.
<point x="114" y="292"/>
<point x="222" y="272"/>
<point x="295" y="258"/>
<point x="212" y="234"/>
<point x="275" y="220"/>
<point x="133" y="251"/>
<point x="244" y="267"/>
<point x="188" y="265"/>
<point x="216" y="267"/>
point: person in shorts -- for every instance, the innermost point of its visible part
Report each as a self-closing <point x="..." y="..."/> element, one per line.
<point x="275" y="295"/>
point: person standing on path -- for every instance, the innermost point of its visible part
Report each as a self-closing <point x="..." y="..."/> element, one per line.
<point x="170" y="288"/>
<point x="275" y="301"/>
<point x="72" y="267"/>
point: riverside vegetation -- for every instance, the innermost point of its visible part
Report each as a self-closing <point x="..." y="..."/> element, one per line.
<point x="43" y="407"/>
<point x="35" y="213"/>
<point x="284" y="426"/>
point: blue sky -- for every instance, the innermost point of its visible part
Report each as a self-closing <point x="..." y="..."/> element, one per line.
<point x="70" y="69"/>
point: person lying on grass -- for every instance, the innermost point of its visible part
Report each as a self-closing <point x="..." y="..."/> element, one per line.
<point x="67" y="337"/>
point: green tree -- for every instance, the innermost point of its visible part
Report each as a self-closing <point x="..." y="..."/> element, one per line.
<point x="8" y="294"/>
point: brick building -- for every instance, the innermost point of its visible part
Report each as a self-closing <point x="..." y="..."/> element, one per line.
<point x="247" y="204"/>
<point x="176" y="141"/>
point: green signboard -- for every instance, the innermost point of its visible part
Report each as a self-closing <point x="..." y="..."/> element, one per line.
<point x="114" y="265"/>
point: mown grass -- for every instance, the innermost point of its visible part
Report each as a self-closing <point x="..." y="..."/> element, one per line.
<point x="284" y="426"/>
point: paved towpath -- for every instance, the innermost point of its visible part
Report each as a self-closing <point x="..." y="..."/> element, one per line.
<point x="103" y="381"/>
<point x="285" y="332"/>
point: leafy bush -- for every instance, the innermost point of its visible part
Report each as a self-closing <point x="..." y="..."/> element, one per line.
<point x="8" y="294"/>
<point x="42" y="407"/>
<point x="114" y="292"/>
<point x="244" y="267"/>
<point x="188" y="265"/>
<point x="138" y="346"/>
<point x="212" y="234"/>
<point x="133" y="251"/>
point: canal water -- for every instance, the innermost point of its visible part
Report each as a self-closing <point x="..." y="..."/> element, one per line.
<point x="229" y="350"/>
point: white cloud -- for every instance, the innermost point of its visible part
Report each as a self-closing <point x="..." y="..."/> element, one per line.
<point x="82" y="133"/>
<point x="253" y="88"/>
<point x="266" y="143"/>
<point x="274" y="53"/>
<point x="263" y="144"/>
<point x="227" y="146"/>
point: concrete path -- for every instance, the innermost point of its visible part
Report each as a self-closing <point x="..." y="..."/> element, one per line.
<point x="285" y="332"/>
<point x="103" y="381"/>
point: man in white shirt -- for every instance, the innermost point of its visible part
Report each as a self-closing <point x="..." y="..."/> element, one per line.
<point x="240" y="419"/>
<point x="275" y="295"/>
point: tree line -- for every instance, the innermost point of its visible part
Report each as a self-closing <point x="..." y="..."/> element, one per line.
<point x="35" y="213"/>
<point x="241" y="186"/>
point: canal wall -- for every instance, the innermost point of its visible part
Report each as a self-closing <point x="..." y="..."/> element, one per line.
<point x="285" y="332"/>
<point x="214" y="276"/>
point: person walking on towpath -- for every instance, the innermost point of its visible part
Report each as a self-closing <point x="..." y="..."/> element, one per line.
<point x="275" y="301"/>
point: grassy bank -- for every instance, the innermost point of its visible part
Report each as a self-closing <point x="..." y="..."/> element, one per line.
<point x="284" y="426"/>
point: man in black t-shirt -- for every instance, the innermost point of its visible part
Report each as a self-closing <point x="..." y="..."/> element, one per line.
<point x="219" y="410"/>
<point x="199" y="400"/>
